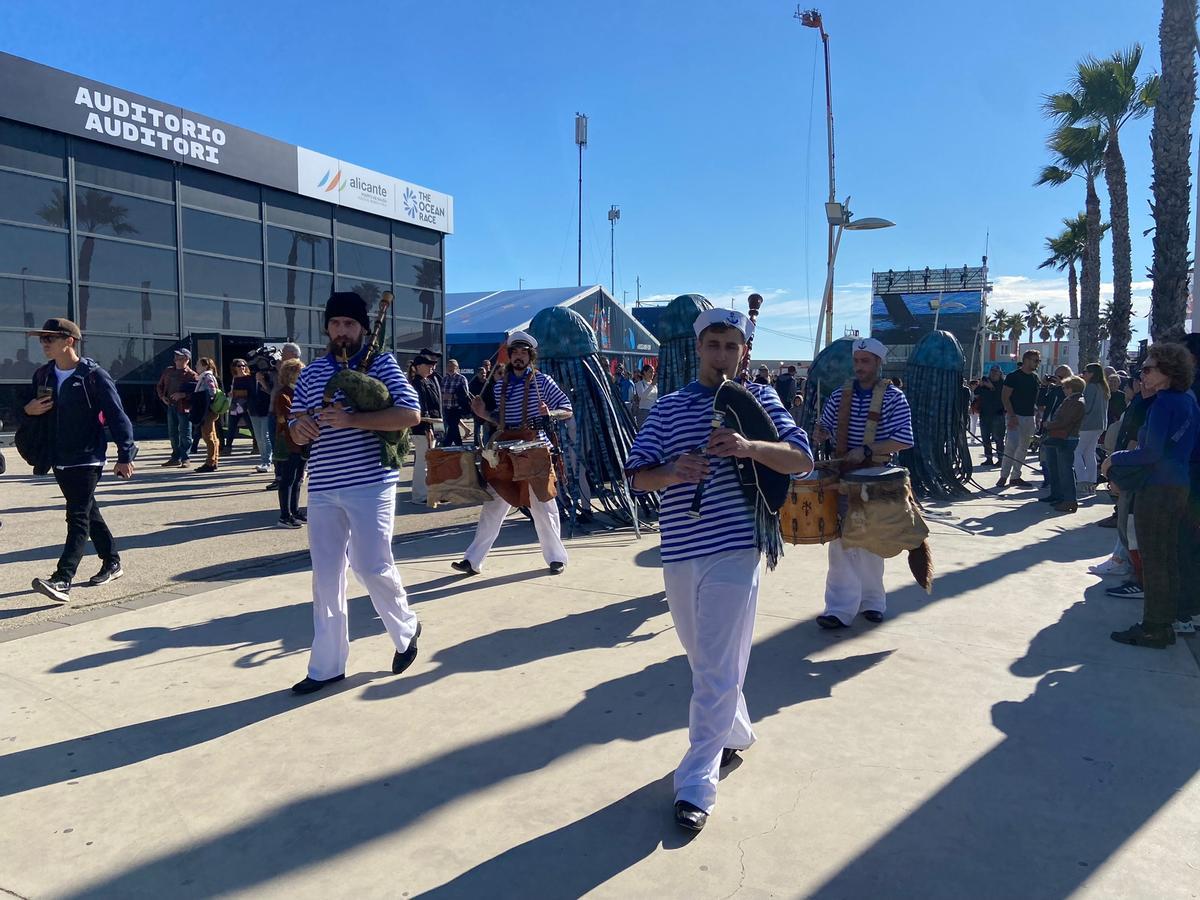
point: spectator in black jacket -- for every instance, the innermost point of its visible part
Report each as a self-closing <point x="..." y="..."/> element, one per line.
<point x="81" y="399"/>
<point x="991" y="416"/>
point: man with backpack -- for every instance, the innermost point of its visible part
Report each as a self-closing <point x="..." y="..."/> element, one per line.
<point x="80" y="399"/>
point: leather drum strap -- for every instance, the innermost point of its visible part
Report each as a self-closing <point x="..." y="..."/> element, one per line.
<point x="873" y="415"/>
<point x="843" y="432"/>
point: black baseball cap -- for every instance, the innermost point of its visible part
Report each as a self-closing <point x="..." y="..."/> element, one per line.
<point x="60" y="327"/>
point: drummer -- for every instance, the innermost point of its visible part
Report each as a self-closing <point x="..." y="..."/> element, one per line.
<point x="420" y="374"/>
<point x="854" y="582"/>
<point x="550" y="401"/>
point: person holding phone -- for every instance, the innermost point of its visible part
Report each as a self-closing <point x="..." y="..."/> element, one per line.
<point x="82" y="400"/>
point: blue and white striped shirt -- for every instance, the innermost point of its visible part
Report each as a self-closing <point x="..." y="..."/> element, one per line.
<point x="348" y="457"/>
<point x="895" y="418"/>
<point x="679" y="423"/>
<point x="546" y="390"/>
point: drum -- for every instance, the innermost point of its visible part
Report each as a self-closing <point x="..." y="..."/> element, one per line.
<point x="520" y="469"/>
<point x="452" y="476"/>
<point x="809" y="515"/>
<point x="881" y="516"/>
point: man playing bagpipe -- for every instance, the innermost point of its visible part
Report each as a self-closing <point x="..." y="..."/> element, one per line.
<point x="711" y="561"/>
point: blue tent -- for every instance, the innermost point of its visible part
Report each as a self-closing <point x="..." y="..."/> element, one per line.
<point x="477" y="323"/>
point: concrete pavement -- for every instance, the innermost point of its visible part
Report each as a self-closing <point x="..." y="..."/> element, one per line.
<point x="988" y="740"/>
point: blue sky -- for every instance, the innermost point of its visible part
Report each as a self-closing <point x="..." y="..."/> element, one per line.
<point x="706" y="128"/>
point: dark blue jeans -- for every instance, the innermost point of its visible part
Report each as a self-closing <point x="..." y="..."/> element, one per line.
<point x="1059" y="456"/>
<point x="290" y="474"/>
<point x="179" y="432"/>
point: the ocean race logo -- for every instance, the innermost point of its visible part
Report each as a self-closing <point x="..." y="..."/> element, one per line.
<point x="420" y="207"/>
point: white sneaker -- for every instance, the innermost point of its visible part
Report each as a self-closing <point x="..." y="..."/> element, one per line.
<point x="1185" y="626"/>
<point x="1110" y="567"/>
<point x="262" y="469"/>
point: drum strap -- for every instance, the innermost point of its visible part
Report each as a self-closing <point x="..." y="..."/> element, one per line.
<point x="524" y="402"/>
<point x="845" y="403"/>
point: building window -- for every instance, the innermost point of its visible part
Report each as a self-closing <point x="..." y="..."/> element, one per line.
<point x="118" y="215"/>
<point x="33" y="251"/>
<point x="418" y="241"/>
<point x="205" y="314"/>
<point x="367" y="262"/>
<point x="412" y="336"/>
<point x="418" y="272"/>
<point x="208" y="190"/>
<point x="123" y="170"/>
<point x="362" y="227"/>
<point x="370" y="291"/>
<point x="411" y="303"/>
<point x="297" y="212"/>
<point x="220" y="277"/>
<point x="27" y="303"/>
<point x="32" y="149"/>
<point x="132" y="312"/>
<point x="299" y="248"/>
<point x="221" y="234"/>
<point x="293" y="323"/>
<point x="36" y="201"/>
<point x="130" y="359"/>
<point x="298" y="287"/>
<point x="106" y="261"/>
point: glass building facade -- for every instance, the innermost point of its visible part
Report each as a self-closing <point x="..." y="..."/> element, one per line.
<point x="147" y="255"/>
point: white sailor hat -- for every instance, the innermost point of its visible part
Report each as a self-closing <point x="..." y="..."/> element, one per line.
<point x="871" y="345"/>
<point x="521" y="337"/>
<point x="738" y="320"/>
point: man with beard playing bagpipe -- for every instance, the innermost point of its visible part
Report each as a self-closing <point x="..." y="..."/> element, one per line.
<point x="711" y="550"/>
<point x="351" y="493"/>
<point x="519" y="392"/>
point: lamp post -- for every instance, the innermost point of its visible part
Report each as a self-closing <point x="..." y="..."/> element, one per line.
<point x="840" y="219"/>
<point x="811" y="18"/>
<point x="581" y="139"/>
<point x="613" y="214"/>
<point x="937" y="306"/>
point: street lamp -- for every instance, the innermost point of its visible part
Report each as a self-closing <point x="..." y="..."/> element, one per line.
<point x="840" y="219"/>
<point x="581" y="122"/>
<point x="937" y="306"/>
<point x="613" y="214"/>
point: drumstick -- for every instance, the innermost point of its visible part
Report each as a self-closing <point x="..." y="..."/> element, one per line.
<point x="717" y="420"/>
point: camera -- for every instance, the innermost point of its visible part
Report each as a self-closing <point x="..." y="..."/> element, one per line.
<point x="264" y="359"/>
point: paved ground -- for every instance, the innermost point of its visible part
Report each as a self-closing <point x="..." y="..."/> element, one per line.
<point x="987" y="740"/>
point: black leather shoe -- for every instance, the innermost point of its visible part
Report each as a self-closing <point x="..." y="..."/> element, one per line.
<point x="831" y="622"/>
<point x="728" y="755"/>
<point x="689" y="816"/>
<point x="556" y="568"/>
<point x="312" y="685"/>
<point x="873" y="615"/>
<point x="1159" y="637"/>
<point x="465" y="567"/>
<point x="401" y="661"/>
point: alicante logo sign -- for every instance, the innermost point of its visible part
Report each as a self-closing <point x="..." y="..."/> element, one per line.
<point x="332" y="183"/>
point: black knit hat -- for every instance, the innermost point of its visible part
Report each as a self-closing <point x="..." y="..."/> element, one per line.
<point x="349" y="305"/>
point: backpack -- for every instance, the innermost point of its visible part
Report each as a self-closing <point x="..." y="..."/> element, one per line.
<point x="219" y="404"/>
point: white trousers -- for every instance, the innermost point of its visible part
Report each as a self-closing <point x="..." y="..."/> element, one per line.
<point x="353" y="525"/>
<point x="1085" y="457"/>
<point x="491" y="517"/>
<point x="853" y="583"/>
<point x="712" y="601"/>
<point x="420" y="492"/>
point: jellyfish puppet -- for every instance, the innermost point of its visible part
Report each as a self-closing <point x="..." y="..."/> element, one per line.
<point x="677" y="360"/>
<point x="939" y="462"/>
<point x="832" y="368"/>
<point x="596" y="441"/>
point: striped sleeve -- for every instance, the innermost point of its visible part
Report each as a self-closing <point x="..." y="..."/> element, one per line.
<point x="552" y="394"/>
<point x="789" y="431"/>
<point x="387" y="370"/>
<point x="895" y="421"/>
<point x="829" y="415"/>
<point x="647" y="449"/>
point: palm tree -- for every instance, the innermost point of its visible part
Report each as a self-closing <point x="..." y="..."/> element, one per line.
<point x="1046" y="330"/>
<point x="1170" y="149"/>
<point x="1033" y="315"/>
<point x="1059" y="323"/>
<point x="997" y="324"/>
<point x="1016" y="326"/>
<point x="1079" y="152"/>
<point x="1107" y="93"/>
<point x="1106" y="320"/>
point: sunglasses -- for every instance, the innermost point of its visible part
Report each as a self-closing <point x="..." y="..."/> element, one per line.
<point x="51" y="338"/>
<point x="1149" y="369"/>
